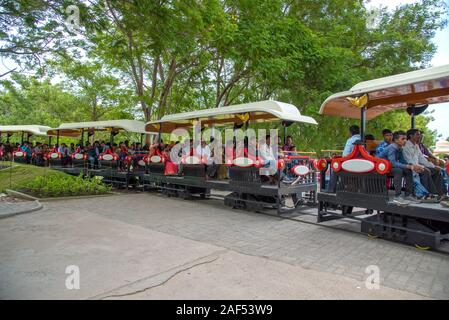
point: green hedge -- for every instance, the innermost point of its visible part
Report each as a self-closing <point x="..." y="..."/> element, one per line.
<point x="61" y="186"/>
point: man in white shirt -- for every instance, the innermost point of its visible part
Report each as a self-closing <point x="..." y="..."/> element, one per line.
<point x="267" y="155"/>
<point x="430" y="174"/>
<point x="203" y="151"/>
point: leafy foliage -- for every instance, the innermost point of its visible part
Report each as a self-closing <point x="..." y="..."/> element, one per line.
<point x="56" y="186"/>
<point x="144" y="59"/>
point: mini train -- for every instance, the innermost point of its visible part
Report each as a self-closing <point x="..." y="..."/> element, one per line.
<point x="361" y="182"/>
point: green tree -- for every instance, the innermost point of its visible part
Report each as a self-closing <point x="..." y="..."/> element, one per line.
<point x="101" y="93"/>
<point x="26" y="100"/>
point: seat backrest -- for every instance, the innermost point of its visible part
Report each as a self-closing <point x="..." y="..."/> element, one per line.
<point x="356" y="185"/>
<point x="243" y="175"/>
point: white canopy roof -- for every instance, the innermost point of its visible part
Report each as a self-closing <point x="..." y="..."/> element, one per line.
<point x="263" y="111"/>
<point x="30" y="129"/>
<point x="75" y="129"/>
<point x="427" y="86"/>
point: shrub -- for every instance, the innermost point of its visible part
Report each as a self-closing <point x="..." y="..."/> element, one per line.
<point x="55" y="186"/>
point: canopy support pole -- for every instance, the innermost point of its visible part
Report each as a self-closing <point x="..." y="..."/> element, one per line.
<point x="49" y="141"/>
<point x="23" y="134"/>
<point x="285" y="133"/>
<point x="413" y="118"/>
<point x="8" y="135"/>
<point x="159" y="135"/>
<point x="141" y="139"/>
<point x="57" y="139"/>
<point x="362" y="123"/>
<point x="111" y="138"/>
<point x="82" y="138"/>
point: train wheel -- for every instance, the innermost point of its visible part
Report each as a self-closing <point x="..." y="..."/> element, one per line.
<point x="417" y="246"/>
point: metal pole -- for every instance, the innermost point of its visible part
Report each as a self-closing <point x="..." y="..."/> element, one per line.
<point x="23" y="133"/>
<point x="285" y="133"/>
<point x="362" y="123"/>
<point x="141" y="139"/>
<point x="57" y="139"/>
<point x="49" y="141"/>
<point x="413" y="119"/>
<point x="82" y="138"/>
<point x="111" y="138"/>
<point x="159" y="136"/>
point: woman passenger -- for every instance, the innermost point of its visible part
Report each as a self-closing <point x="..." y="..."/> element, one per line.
<point x="171" y="168"/>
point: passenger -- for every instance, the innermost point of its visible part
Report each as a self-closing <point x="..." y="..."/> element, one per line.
<point x="370" y="143"/>
<point x="65" y="154"/>
<point x="446" y="173"/>
<point x="269" y="160"/>
<point x="430" y="175"/>
<point x="239" y="151"/>
<point x="8" y="149"/>
<point x="251" y="151"/>
<point x="146" y="147"/>
<point x="388" y="139"/>
<point x="425" y="151"/>
<point x="92" y="154"/>
<point x="355" y="136"/>
<point x="289" y="146"/>
<point x="203" y="151"/>
<point x="102" y="147"/>
<point x="123" y="153"/>
<point x="229" y="151"/>
<point x="400" y="168"/>
<point x="28" y="152"/>
<point x="211" y="165"/>
<point x="171" y="168"/>
<point x="38" y="154"/>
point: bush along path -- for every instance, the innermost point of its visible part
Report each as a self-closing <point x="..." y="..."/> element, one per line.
<point x="64" y="186"/>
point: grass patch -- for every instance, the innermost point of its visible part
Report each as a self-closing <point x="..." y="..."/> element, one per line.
<point x="13" y="178"/>
<point x="64" y="186"/>
<point x="45" y="182"/>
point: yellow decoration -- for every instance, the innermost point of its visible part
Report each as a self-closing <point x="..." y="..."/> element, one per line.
<point x="359" y="101"/>
<point x="244" y="117"/>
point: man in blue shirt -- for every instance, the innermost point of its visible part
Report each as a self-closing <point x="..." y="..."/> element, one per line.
<point x="355" y="136"/>
<point x="400" y="168"/>
<point x="388" y="139"/>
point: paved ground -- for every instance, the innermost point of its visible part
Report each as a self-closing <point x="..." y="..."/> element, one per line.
<point x="171" y="248"/>
<point x="10" y="206"/>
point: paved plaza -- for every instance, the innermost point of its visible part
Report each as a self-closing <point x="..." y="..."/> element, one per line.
<point x="149" y="246"/>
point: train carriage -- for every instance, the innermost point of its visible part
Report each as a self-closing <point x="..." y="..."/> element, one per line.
<point x="361" y="179"/>
<point x="25" y="132"/>
<point x="242" y="178"/>
<point x="106" y="165"/>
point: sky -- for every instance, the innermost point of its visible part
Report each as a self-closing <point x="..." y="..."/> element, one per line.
<point x="440" y="111"/>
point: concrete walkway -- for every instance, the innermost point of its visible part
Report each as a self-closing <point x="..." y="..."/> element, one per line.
<point x="12" y="208"/>
<point x="147" y="246"/>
